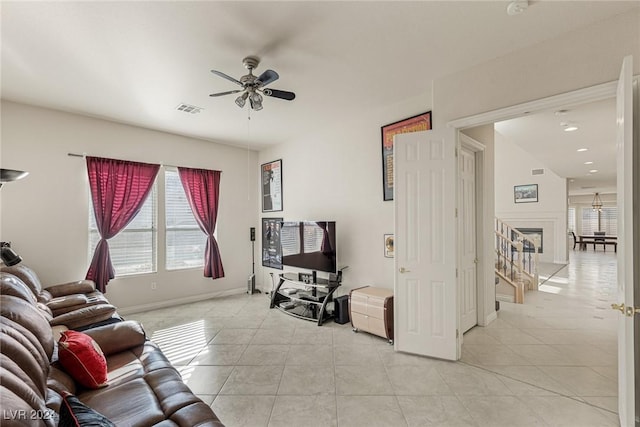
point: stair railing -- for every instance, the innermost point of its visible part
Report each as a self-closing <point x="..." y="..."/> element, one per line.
<point x="517" y="258"/>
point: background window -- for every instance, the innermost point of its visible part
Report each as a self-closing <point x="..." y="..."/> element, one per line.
<point x="185" y="241"/>
<point x="571" y="220"/>
<point x="133" y="250"/>
<point x="607" y="219"/>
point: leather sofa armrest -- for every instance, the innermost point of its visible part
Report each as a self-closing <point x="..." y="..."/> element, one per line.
<point x="78" y="287"/>
<point x="84" y="316"/>
<point x="117" y="337"/>
<point x="67" y="301"/>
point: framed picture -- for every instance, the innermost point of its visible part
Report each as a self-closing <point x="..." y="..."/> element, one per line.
<point x="525" y="193"/>
<point x="388" y="245"/>
<point x="271" y="246"/>
<point x="412" y="124"/>
<point x="272" y="186"/>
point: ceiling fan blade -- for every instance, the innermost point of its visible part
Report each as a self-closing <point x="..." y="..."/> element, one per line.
<point x="268" y="77"/>
<point x="226" y="93"/>
<point x="224" y="76"/>
<point x="282" y="94"/>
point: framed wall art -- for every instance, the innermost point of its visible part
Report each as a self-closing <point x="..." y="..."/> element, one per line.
<point x="525" y="193"/>
<point x="271" y="175"/>
<point x="417" y="123"/>
<point x="271" y="247"/>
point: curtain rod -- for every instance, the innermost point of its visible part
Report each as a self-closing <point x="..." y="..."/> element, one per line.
<point x="161" y="164"/>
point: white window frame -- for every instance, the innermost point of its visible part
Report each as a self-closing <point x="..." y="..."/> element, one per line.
<point x="93" y="233"/>
<point x="197" y="263"/>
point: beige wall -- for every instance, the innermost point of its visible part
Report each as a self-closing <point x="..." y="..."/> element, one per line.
<point x="45" y="215"/>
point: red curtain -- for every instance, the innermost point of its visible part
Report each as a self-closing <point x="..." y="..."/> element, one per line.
<point x="118" y="191"/>
<point x="202" y="188"/>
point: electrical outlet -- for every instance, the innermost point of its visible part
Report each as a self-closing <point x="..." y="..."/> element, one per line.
<point x="154" y="286"/>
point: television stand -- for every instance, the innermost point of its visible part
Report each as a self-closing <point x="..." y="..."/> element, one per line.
<point x="306" y="301"/>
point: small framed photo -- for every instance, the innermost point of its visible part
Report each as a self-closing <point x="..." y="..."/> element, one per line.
<point x="525" y="193"/>
<point x="271" y="176"/>
<point x="388" y="245"/>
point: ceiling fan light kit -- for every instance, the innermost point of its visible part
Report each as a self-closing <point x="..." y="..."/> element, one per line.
<point x="253" y="87"/>
<point x="517" y="7"/>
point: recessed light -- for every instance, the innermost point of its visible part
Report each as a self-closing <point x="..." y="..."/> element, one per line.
<point x="588" y="163"/>
<point x="581" y="150"/>
<point x="571" y="128"/>
<point x="593" y="171"/>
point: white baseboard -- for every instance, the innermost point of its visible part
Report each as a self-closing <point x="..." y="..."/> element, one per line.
<point x="505" y="298"/>
<point x="491" y="317"/>
<point x="179" y="301"/>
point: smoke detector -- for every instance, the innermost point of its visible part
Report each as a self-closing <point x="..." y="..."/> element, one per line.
<point x="517" y="7"/>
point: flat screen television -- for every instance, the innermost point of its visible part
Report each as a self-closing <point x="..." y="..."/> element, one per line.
<point x="310" y="245"/>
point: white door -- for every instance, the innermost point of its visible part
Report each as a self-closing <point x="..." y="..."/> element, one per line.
<point x="626" y="216"/>
<point x="468" y="264"/>
<point x="425" y="301"/>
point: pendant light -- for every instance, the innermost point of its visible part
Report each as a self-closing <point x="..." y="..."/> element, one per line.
<point x="597" y="203"/>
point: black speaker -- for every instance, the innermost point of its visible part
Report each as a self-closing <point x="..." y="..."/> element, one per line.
<point x="253" y="234"/>
<point x="341" y="309"/>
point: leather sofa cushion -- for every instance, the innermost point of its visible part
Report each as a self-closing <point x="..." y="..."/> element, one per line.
<point x="12" y="285"/>
<point x="79" y="287"/>
<point x="65" y="304"/>
<point x="84" y="316"/>
<point x="12" y="402"/>
<point x="130" y="403"/>
<point x="117" y="337"/>
<point x="29" y="317"/>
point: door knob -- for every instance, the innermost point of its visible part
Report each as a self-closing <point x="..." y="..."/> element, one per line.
<point x="404" y="270"/>
<point x="627" y="311"/>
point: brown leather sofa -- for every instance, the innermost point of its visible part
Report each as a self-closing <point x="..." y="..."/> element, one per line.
<point x="61" y="298"/>
<point x="143" y="388"/>
<point x="76" y="305"/>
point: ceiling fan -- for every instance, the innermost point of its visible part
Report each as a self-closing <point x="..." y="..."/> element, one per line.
<point x="253" y="86"/>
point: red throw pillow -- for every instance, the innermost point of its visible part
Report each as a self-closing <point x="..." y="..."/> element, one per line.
<point x="83" y="359"/>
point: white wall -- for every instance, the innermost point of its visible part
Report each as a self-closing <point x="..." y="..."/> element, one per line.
<point x="45" y="214"/>
<point x="513" y="166"/>
<point x="335" y="173"/>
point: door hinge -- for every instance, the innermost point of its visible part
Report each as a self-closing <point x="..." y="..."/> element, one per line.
<point x="456" y="212"/>
<point x="456" y="272"/>
<point x="456" y="151"/>
<point x="457" y="333"/>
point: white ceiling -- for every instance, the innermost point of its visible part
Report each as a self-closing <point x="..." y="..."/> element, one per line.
<point x="542" y="135"/>
<point x="134" y="62"/>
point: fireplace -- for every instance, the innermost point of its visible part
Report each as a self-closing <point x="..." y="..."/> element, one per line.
<point x="532" y="232"/>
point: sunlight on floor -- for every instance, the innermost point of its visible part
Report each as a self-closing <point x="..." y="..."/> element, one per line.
<point x="181" y="343"/>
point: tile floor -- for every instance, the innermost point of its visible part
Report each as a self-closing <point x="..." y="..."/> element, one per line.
<point x="549" y="362"/>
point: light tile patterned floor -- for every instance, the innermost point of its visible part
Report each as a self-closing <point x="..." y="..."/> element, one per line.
<point x="549" y="362"/>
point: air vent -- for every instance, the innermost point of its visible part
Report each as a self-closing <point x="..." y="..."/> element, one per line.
<point x="537" y="171"/>
<point x="588" y="188"/>
<point x="191" y="109"/>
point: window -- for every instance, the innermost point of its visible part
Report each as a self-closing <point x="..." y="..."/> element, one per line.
<point x="571" y="219"/>
<point x="609" y="220"/>
<point x="185" y="241"/>
<point x="589" y="221"/>
<point x="606" y="221"/>
<point x="133" y="250"/>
